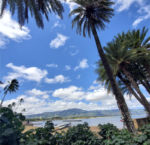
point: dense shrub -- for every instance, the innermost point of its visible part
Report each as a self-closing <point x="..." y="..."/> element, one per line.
<point x="80" y="135"/>
<point x="10" y="127"/>
<point x="107" y="130"/>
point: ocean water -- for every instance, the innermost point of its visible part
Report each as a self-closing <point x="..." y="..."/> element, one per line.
<point x="92" y="121"/>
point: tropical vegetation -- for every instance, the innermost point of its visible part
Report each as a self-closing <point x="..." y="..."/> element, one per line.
<point x="91" y="16"/>
<point x="129" y="58"/>
<point x="11" y="133"/>
<point x="125" y="73"/>
<point x="37" y="9"/>
<point x="11" y="88"/>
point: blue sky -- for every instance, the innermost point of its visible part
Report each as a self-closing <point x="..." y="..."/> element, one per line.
<point x="55" y="66"/>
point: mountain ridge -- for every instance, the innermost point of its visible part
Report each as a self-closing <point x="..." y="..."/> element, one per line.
<point x="79" y="113"/>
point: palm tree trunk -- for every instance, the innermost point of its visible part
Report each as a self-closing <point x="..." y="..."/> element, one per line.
<point x="135" y="85"/>
<point x="2" y="101"/>
<point x="117" y="92"/>
<point x="145" y="85"/>
<point x="133" y="92"/>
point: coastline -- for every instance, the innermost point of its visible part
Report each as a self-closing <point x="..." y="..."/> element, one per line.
<point x="79" y="118"/>
<point x="92" y="128"/>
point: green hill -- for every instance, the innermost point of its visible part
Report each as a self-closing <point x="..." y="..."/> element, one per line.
<point x="80" y="113"/>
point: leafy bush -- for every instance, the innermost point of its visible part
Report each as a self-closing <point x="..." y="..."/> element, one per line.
<point x="41" y="136"/>
<point x="107" y="130"/>
<point x="144" y="138"/>
<point x="11" y="133"/>
<point x="10" y="127"/>
<point x="80" y="135"/>
<point x="123" y="137"/>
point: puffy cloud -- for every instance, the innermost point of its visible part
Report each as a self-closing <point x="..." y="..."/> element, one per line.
<point x="52" y="65"/>
<point x="94" y="87"/>
<point x="71" y="97"/>
<point x="71" y="5"/>
<point x="67" y="67"/>
<point x="60" y="40"/>
<point x="11" y="29"/>
<point x="70" y="93"/>
<point x="57" y="79"/>
<point x="82" y="64"/>
<point x="31" y="73"/>
<point x="39" y="93"/>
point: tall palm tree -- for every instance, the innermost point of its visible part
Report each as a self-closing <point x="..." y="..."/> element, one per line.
<point x="122" y="59"/>
<point x="37" y="8"/>
<point x="11" y="88"/>
<point x="91" y="16"/>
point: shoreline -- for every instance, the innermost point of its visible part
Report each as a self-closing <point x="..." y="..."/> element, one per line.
<point x="92" y="128"/>
<point x="81" y="118"/>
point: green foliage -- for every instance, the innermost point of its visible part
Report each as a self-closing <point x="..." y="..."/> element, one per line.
<point x="91" y="13"/>
<point x="11" y="127"/>
<point x="123" y="137"/>
<point x="11" y="133"/>
<point x="37" y="8"/>
<point x="144" y="138"/>
<point x="107" y="130"/>
<point x="80" y="135"/>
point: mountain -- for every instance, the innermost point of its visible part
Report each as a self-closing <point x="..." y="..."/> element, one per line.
<point x="80" y="113"/>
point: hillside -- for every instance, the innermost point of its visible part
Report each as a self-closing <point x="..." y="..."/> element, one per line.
<point x="80" y="113"/>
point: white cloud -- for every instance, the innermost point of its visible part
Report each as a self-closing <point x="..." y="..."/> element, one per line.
<point x="31" y="73"/>
<point x="60" y="40"/>
<point x="11" y="29"/>
<point x="57" y="79"/>
<point x="144" y="9"/>
<point x="70" y="98"/>
<point x="39" y="93"/>
<point x="82" y="64"/>
<point x="52" y="65"/>
<point x="74" y="53"/>
<point x="67" y="67"/>
<point x="2" y="43"/>
<point x="71" y="5"/>
<point x="125" y="4"/>
<point x="57" y="24"/>
<point x="70" y="93"/>
<point x="78" y="77"/>
<point x="94" y="87"/>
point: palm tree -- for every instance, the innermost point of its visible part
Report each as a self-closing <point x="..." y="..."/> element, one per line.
<point x="122" y="59"/>
<point x="90" y="16"/>
<point x="122" y="81"/>
<point x="137" y="40"/>
<point x="23" y="110"/>
<point x="11" y="88"/>
<point x="19" y="102"/>
<point x="37" y="8"/>
<point x="10" y="106"/>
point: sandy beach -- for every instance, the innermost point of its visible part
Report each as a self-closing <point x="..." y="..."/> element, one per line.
<point x="92" y="128"/>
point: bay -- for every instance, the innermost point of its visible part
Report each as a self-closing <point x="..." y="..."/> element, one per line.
<point x="91" y="121"/>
